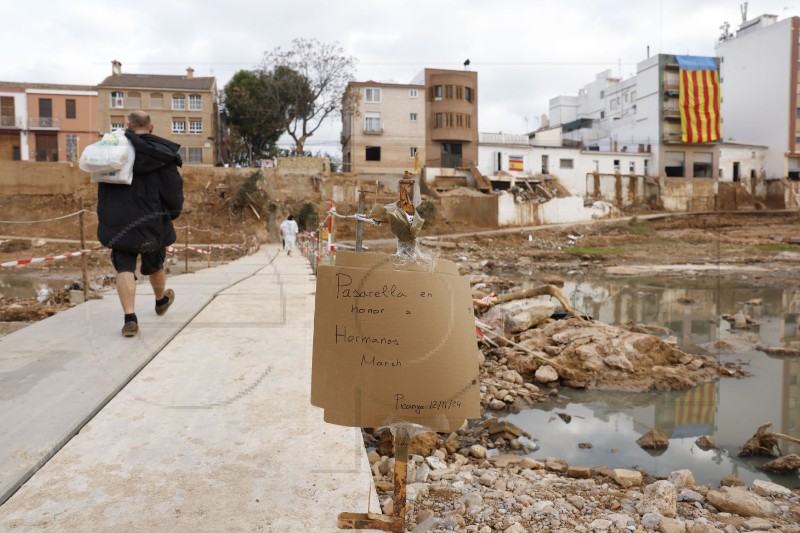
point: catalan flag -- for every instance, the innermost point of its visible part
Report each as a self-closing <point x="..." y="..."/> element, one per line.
<point x="694" y="411"/>
<point x="699" y="99"/>
<point x="515" y="163"/>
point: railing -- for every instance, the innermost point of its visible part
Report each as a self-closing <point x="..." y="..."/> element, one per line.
<point x="373" y="131"/>
<point x="503" y="138"/>
<point x="10" y="121"/>
<point x="44" y="122"/>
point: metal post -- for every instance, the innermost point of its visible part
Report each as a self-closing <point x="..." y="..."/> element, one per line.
<point x="84" y="269"/>
<point x="186" y="250"/>
<point x="331" y="238"/>
<point x="359" y="223"/>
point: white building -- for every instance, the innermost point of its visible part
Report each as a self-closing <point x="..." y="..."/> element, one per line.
<point x="760" y="89"/>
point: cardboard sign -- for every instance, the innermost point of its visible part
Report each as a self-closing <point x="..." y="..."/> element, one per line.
<point x="394" y="344"/>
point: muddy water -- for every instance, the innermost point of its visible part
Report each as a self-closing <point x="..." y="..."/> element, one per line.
<point x="729" y="411"/>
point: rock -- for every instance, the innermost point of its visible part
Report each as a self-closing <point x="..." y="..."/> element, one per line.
<point x="477" y="451"/>
<point x="515" y="528"/>
<point x="672" y="525"/>
<point x="706" y="443"/>
<point x="554" y="464"/>
<point x="618" y="361"/>
<point x="651" y="520"/>
<point x="38" y="243"/>
<point x="739" y="501"/>
<point x="620" y="520"/>
<point x="504" y="429"/>
<point x="384" y="486"/>
<point x="660" y="497"/>
<point x="601" y="524"/>
<point x="682" y="478"/>
<point x="757" y="524"/>
<point x="653" y="440"/>
<point x="531" y="464"/>
<point x="542" y="506"/>
<point x="435" y="463"/>
<point x="423" y="515"/>
<point x="373" y="457"/>
<point x="731" y="481"/>
<point x="505" y="459"/>
<point x="422" y="473"/>
<point x="788" y="464"/>
<point x="704" y="528"/>
<point x="523" y="314"/>
<point x="581" y="472"/>
<point x="423" y="443"/>
<point x="627" y="478"/>
<point x="497" y="405"/>
<point x="585" y="445"/>
<point x="577" y="501"/>
<point x="769" y="489"/>
<point x="426" y="525"/>
<point x="546" y="374"/>
<point x="688" y="495"/>
<point x="451" y="443"/>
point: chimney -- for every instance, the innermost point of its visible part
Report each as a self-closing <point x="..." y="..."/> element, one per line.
<point x="189" y="73"/>
<point x="116" y="68"/>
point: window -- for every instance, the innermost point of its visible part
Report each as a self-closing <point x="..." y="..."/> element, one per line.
<point x="117" y="123"/>
<point x="195" y="155"/>
<point x="71" y="113"/>
<point x="373" y="153"/>
<point x="72" y="146"/>
<point x="156" y="101"/>
<point x="616" y="165"/>
<point x="372" y="122"/>
<point x="459" y="120"/>
<point x="195" y="102"/>
<point x="602" y="94"/>
<point x="135" y="100"/>
<point x="179" y="103"/>
<point x="412" y="117"/>
<point x="602" y="114"/>
<point x="632" y="167"/>
<point x="412" y="152"/>
<point x="372" y="94"/>
<point x="438" y="120"/>
<point x="182" y="153"/>
<point x="468" y="94"/>
<point x="673" y="164"/>
<point x="437" y="92"/>
<point x="7" y="116"/>
<point x="178" y="126"/>
<point x="412" y="93"/>
<point x="448" y="92"/>
<point x="195" y="126"/>
<point x="117" y="100"/>
<point x="566" y="163"/>
<point x="703" y="165"/>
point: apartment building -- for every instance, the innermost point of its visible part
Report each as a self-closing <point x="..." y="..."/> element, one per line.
<point x="46" y="122"/>
<point x="760" y="88"/>
<point x="183" y="108"/>
<point x="383" y="127"/>
<point x="435" y="117"/>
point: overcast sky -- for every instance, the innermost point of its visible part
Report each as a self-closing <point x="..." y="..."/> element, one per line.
<point x="525" y="51"/>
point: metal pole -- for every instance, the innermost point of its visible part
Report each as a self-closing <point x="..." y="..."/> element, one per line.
<point x="359" y="223"/>
<point x="84" y="269"/>
<point x="186" y="250"/>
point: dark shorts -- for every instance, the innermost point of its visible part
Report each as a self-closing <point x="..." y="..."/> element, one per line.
<point x="152" y="262"/>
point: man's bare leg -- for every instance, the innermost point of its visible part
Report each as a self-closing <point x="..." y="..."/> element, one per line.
<point x="158" y="280"/>
<point x="126" y="288"/>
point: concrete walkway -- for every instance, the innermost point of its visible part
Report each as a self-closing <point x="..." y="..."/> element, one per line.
<point x="201" y="423"/>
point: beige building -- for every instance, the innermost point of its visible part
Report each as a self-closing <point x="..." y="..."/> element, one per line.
<point x="46" y="122"/>
<point x="383" y="127"/>
<point x="183" y="109"/>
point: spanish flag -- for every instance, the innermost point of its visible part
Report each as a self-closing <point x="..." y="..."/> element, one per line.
<point x="699" y="99"/>
<point x="515" y="162"/>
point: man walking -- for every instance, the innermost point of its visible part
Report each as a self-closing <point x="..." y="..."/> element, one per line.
<point x="136" y="220"/>
<point x="289" y="231"/>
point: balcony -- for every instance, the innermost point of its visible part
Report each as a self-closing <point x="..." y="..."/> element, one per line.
<point x="44" y="123"/>
<point x="373" y="131"/>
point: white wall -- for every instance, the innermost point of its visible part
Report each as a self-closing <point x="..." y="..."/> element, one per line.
<point x="750" y="158"/>
<point x="755" y="72"/>
<point x="555" y="211"/>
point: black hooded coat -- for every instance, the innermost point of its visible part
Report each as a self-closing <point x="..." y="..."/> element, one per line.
<point x="138" y="217"/>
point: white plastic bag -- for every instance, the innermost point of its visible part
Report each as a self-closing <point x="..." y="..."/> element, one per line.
<point x="110" y="160"/>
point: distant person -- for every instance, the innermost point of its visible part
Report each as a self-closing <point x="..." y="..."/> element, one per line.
<point x="136" y="220"/>
<point x="289" y="231"/>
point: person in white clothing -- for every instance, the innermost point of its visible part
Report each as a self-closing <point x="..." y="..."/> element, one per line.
<point x="289" y="231"/>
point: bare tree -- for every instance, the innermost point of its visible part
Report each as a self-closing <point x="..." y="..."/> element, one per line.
<point x="317" y="92"/>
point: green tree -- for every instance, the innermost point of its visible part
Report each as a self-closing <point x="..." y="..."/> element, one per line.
<point x="251" y="110"/>
<point x="310" y="80"/>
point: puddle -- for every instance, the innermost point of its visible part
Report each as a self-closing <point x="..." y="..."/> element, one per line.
<point x="729" y="410"/>
<point x="26" y="285"/>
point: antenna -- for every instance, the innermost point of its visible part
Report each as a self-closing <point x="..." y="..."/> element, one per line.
<point x="743" y="9"/>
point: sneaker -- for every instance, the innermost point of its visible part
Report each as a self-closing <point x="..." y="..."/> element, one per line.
<point x="161" y="309"/>
<point x="130" y="329"/>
